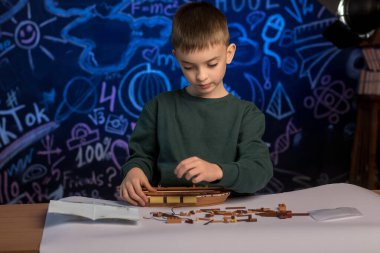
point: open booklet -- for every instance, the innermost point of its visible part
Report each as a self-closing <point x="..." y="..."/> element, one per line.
<point x="94" y="209"/>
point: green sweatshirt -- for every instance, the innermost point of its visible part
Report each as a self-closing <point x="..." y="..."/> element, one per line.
<point x="226" y="131"/>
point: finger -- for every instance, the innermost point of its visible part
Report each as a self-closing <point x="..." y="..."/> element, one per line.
<point x="182" y="166"/>
<point x="125" y="196"/>
<point x="180" y="170"/>
<point x="197" y="179"/>
<point x="148" y="186"/>
<point x="192" y="173"/>
<point x="134" y="196"/>
<point x="185" y="168"/>
<point x="141" y="193"/>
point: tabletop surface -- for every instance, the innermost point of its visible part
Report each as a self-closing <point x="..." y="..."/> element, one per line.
<point x="21" y="227"/>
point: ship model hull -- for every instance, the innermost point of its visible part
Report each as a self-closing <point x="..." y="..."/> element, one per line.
<point x="186" y="196"/>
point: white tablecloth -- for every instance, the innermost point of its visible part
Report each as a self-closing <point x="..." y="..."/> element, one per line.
<point x="299" y="234"/>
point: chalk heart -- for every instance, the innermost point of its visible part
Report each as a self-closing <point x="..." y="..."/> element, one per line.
<point x="150" y="54"/>
<point x="119" y="147"/>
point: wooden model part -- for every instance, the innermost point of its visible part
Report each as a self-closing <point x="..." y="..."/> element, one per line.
<point x="186" y="196"/>
<point x="173" y="220"/>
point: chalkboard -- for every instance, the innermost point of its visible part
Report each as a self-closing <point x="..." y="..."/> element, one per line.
<point x="74" y="76"/>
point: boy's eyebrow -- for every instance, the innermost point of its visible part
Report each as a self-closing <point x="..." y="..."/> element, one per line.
<point x="212" y="59"/>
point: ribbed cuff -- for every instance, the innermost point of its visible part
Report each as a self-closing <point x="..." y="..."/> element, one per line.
<point x="230" y="174"/>
<point x="127" y="167"/>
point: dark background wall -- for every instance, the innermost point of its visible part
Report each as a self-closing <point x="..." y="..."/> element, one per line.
<point x="74" y="76"/>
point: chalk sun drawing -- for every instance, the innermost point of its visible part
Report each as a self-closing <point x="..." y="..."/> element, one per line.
<point x="28" y="36"/>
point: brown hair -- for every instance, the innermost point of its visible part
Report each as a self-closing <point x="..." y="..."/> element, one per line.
<point x="197" y="26"/>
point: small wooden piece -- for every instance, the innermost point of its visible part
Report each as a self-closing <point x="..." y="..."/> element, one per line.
<point x="281" y="207"/>
<point x="208" y="222"/>
<point x="235" y="207"/>
<point x="301" y="214"/>
<point x="189" y="221"/>
<point x="173" y="220"/>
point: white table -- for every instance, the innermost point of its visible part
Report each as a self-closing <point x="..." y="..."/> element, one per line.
<point x="299" y="234"/>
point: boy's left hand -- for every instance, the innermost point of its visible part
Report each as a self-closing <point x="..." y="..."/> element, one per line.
<point x="197" y="170"/>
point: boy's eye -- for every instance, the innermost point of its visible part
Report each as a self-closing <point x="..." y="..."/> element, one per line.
<point x="186" y="68"/>
<point x="212" y="65"/>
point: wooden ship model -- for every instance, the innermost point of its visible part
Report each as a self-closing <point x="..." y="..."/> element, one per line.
<point x="186" y="196"/>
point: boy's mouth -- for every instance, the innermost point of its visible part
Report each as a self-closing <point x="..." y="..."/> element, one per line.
<point x="204" y="86"/>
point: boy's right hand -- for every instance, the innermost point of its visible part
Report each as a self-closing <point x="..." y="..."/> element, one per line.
<point x="131" y="187"/>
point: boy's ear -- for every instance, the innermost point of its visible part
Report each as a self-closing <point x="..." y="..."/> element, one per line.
<point x="174" y="53"/>
<point x="230" y="52"/>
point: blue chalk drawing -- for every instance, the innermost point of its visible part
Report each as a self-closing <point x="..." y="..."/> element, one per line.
<point x="21" y="165"/>
<point x="139" y="85"/>
<point x="311" y="31"/>
<point x="266" y="73"/>
<point x="34" y="172"/>
<point x="184" y="82"/>
<point x="12" y="7"/>
<point x="82" y="135"/>
<point x="69" y="8"/>
<point x="287" y="38"/>
<point x="11" y="101"/>
<point x="314" y="60"/>
<point x="49" y="149"/>
<point x="255" y="18"/>
<point x="248" y="51"/>
<point x="80" y="96"/>
<point x="269" y="5"/>
<point x="280" y="105"/>
<point x="258" y="96"/>
<point x="289" y="65"/>
<point x="27" y="36"/>
<point x="116" y="124"/>
<point x="231" y="91"/>
<point x="330" y="100"/>
<point x="296" y="12"/>
<point x="48" y="97"/>
<point x="282" y="143"/>
<point x="25" y="140"/>
<point x="151" y="54"/>
<point x="99" y="55"/>
<point x="271" y="33"/>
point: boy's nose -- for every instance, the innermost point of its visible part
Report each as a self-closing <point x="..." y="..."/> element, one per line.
<point x="201" y="75"/>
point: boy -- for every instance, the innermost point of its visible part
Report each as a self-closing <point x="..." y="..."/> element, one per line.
<point x="200" y="134"/>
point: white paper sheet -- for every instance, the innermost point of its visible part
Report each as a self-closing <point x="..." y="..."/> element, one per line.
<point x="334" y="214"/>
<point x="93" y="210"/>
<point x="299" y="234"/>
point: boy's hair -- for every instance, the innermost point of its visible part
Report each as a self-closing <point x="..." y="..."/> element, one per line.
<point x="197" y="26"/>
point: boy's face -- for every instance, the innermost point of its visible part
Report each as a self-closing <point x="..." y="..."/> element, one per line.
<point x="205" y="69"/>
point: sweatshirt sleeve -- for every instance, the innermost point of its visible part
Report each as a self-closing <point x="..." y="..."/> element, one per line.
<point x="253" y="168"/>
<point x="143" y="143"/>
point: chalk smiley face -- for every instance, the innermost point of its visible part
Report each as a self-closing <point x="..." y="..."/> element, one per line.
<point x="27" y="34"/>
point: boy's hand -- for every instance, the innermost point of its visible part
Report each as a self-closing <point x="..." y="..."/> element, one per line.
<point x="197" y="170"/>
<point x="131" y="190"/>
